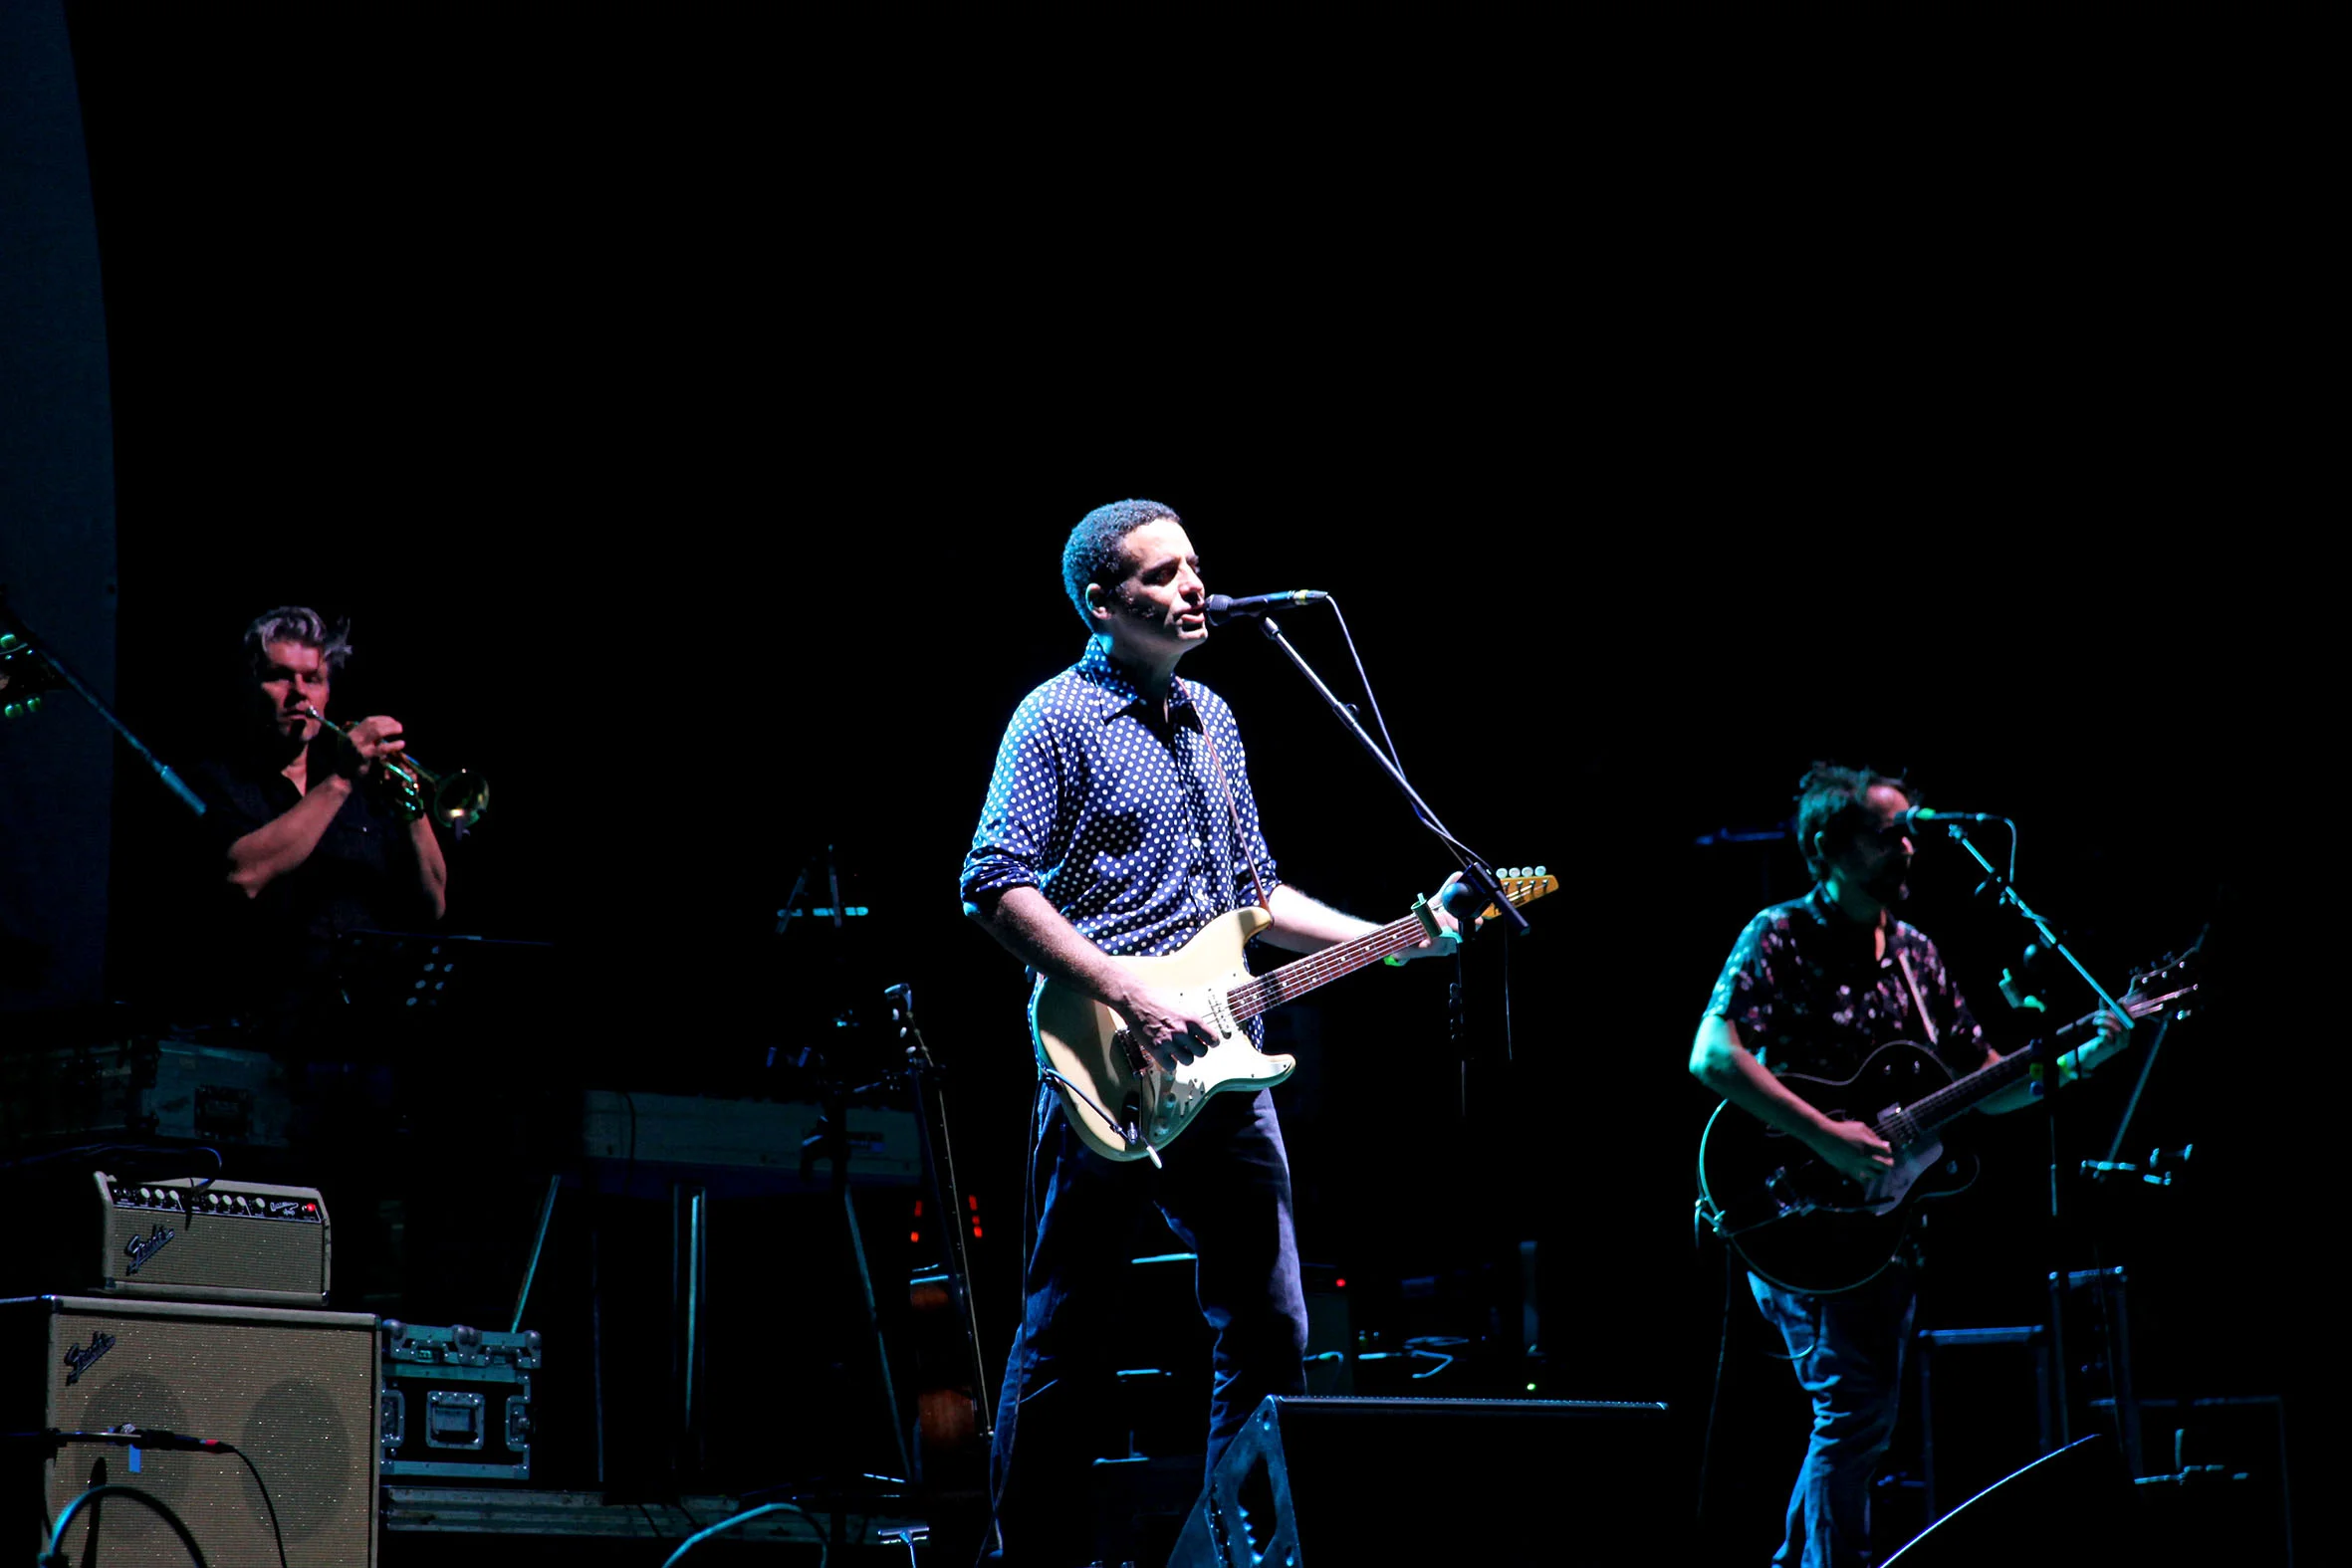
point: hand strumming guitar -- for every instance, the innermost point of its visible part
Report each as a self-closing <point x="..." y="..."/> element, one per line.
<point x="1168" y="1033"/>
<point x="1852" y="1150"/>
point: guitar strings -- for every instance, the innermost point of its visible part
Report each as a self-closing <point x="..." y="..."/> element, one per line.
<point x="1303" y="974"/>
<point x="1932" y="1110"/>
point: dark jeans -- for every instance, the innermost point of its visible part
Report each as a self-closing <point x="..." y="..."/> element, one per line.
<point x="1225" y="1192"/>
<point x="1848" y="1351"/>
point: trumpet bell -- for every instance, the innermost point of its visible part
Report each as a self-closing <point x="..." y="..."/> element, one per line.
<point x="460" y="798"/>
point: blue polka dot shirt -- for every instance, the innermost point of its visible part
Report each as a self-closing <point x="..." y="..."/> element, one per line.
<point x="1122" y="825"/>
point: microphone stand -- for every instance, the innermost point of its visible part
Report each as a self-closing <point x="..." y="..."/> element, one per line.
<point x="1476" y="874"/>
<point x="38" y="648"/>
<point x="2063" y="1279"/>
<point x="2009" y="898"/>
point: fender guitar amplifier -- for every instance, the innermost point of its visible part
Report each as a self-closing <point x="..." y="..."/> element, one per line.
<point x="296" y="1392"/>
<point x="181" y="1239"/>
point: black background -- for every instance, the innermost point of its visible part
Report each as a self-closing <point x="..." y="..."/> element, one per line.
<point x="691" y="455"/>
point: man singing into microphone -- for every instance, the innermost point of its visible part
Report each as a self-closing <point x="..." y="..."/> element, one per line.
<point x="1119" y="821"/>
<point x="1813" y="987"/>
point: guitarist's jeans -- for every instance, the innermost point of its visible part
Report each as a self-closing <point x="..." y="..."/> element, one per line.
<point x="1848" y="1351"/>
<point x="1226" y="1192"/>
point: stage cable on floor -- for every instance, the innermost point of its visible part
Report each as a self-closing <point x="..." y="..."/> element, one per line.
<point x="745" y="1517"/>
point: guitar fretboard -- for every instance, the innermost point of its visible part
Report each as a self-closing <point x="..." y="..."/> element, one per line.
<point x="1963" y="1094"/>
<point x="1300" y="976"/>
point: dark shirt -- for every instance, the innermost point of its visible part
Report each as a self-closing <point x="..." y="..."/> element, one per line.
<point x="1121" y="822"/>
<point x="277" y="950"/>
<point x="1806" y="995"/>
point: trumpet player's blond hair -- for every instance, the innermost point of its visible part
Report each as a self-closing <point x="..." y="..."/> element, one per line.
<point x="298" y="623"/>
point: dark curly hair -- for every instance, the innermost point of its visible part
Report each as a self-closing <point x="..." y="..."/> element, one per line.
<point x="1833" y="800"/>
<point x="1095" y="552"/>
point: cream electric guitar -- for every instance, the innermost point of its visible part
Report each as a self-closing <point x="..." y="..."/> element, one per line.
<point x="1127" y="1109"/>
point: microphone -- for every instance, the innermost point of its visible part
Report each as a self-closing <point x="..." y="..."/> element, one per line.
<point x="131" y="1436"/>
<point x="1222" y="609"/>
<point x="1922" y="817"/>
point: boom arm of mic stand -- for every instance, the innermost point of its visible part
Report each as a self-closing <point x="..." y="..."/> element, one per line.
<point x="2049" y="938"/>
<point x="81" y="688"/>
<point x="1474" y="870"/>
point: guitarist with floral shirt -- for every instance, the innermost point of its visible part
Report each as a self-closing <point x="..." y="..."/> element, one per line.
<point x="1119" y="821"/>
<point x="1813" y="987"/>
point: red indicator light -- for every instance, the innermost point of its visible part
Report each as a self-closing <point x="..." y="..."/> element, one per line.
<point x="914" y="1235"/>
<point x="1340" y="1283"/>
<point x="976" y="1232"/>
<point x="972" y="1201"/>
<point x="918" y="1208"/>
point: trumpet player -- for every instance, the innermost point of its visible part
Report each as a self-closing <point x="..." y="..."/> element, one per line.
<point x="322" y="836"/>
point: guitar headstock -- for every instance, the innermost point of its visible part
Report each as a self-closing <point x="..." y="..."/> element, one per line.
<point x="2166" y="983"/>
<point x="1523" y="885"/>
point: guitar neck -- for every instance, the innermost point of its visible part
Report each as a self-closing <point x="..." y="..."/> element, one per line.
<point x="1300" y="976"/>
<point x="1964" y="1094"/>
<point x="1967" y="1093"/>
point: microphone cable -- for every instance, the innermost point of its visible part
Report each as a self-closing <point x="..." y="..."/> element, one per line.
<point x="55" y="1556"/>
<point x="174" y="1442"/>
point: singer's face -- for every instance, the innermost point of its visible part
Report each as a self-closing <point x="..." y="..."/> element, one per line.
<point x="1878" y="860"/>
<point x="1158" y="611"/>
<point x="293" y="676"/>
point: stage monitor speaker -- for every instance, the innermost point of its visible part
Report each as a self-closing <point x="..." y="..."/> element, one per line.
<point x="1331" y="1483"/>
<point x="296" y="1391"/>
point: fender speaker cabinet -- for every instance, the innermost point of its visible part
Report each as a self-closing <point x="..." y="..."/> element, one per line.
<point x="295" y="1391"/>
<point x="457" y="1403"/>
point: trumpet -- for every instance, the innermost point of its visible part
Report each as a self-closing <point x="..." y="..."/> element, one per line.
<point x="459" y="799"/>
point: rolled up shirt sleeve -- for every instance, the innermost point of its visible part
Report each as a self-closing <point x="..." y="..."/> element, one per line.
<point x="1747" y="992"/>
<point x="1021" y="833"/>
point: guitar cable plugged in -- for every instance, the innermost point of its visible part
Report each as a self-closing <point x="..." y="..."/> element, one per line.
<point x="1128" y="1131"/>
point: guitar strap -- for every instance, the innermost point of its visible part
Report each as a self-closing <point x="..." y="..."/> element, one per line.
<point x="1240" y="841"/>
<point x="1917" y="1000"/>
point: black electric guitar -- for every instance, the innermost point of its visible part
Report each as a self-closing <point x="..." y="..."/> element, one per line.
<point x="1802" y="1225"/>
